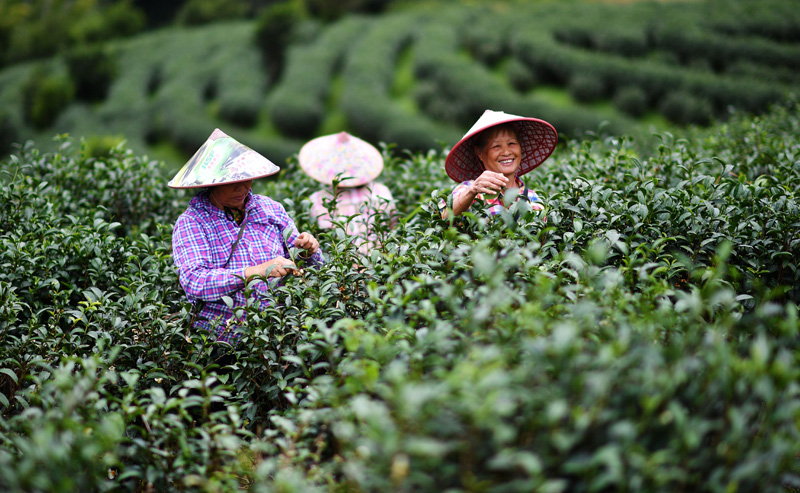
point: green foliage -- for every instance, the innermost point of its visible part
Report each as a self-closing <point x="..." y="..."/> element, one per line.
<point x="520" y="76"/>
<point x="684" y="108"/>
<point x="367" y="76"/>
<point x="297" y="104"/>
<point x="274" y="33"/>
<point x="639" y="333"/>
<point x="9" y="134"/>
<point x="417" y="75"/>
<point x="196" y="12"/>
<point x="331" y="10"/>
<point x="631" y="100"/>
<point x="586" y="88"/>
<point x="92" y="70"/>
<point x="43" y="28"/>
<point x="44" y="97"/>
<point x="106" y="21"/>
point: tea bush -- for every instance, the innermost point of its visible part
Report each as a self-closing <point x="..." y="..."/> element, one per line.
<point x="92" y="69"/>
<point x="44" y="97"/>
<point x="273" y="33"/>
<point x="631" y="100"/>
<point x="297" y="104"/>
<point x="417" y="73"/>
<point x="639" y="333"/>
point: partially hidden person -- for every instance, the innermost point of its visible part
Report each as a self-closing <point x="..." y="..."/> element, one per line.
<point x="360" y="201"/>
<point x="229" y="236"/>
<point x="489" y="160"/>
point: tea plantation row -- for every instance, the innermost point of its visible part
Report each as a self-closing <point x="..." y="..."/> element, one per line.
<point x="640" y="334"/>
<point x="410" y="76"/>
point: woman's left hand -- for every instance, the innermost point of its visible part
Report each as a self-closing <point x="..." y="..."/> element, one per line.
<point x="307" y="242"/>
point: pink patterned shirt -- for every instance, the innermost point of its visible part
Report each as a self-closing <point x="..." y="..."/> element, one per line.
<point x="364" y="203"/>
<point x="495" y="205"/>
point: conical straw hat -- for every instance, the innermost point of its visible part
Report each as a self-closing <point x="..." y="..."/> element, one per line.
<point x="357" y="161"/>
<point x="221" y="160"/>
<point x="537" y="139"/>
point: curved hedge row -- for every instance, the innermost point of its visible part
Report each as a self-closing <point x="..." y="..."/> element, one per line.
<point x="298" y="104"/>
<point x="661" y="62"/>
<point x="367" y="76"/>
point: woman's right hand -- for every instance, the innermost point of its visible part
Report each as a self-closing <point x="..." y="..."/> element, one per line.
<point x="282" y="267"/>
<point x="489" y="182"/>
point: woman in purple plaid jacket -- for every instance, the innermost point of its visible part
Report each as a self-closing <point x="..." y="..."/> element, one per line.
<point x="229" y="236"/>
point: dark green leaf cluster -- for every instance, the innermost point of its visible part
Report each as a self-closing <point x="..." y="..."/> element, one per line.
<point x="37" y="29"/>
<point x="420" y="73"/>
<point x="639" y="333"/>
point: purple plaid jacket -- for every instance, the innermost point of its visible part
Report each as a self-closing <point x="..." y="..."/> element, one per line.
<point x="202" y="240"/>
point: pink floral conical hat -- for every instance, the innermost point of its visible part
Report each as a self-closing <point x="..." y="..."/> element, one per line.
<point x="537" y="139"/>
<point x="222" y="160"/>
<point x="356" y="161"/>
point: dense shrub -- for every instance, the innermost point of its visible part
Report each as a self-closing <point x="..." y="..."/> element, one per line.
<point x="436" y="70"/>
<point x="129" y="188"/>
<point x="298" y="117"/>
<point x="110" y="20"/>
<point x="586" y="87"/>
<point x="39" y="29"/>
<point x="683" y="108"/>
<point x="521" y="77"/>
<point x="92" y="69"/>
<point x="367" y="77"/>
<point x="44" y="96"/>
<point x="331" y="10"/>
<point x="9" y="133"/>
<point x="273" y="34"/>
<point x="196" y="12"/>
<point x="641" y="338"/>
<point x="297" y="105"/>
<point x="489" y="46"/>
<point x="631" y="100"/>
<point x="622" y="43"/>
<point x="241" y="90"/>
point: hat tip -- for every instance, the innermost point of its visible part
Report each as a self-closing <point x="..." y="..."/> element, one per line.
<point x="343" y="137"/>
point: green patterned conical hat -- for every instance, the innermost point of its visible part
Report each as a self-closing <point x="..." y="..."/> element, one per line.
<point x="221" y="160"/>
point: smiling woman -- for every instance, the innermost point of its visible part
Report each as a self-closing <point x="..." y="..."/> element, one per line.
<point x="492" y="156"/>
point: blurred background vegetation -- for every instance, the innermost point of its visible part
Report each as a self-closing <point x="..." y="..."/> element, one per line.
<point x="415" y="73"/>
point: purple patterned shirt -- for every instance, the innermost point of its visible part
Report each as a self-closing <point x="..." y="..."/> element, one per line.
<point x="202" y="240"/>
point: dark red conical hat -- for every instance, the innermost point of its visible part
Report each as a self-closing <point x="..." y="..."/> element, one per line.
<point x="537" y="139"/>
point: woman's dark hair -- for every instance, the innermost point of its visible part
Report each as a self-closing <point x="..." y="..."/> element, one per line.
<point x="480" y="140"/>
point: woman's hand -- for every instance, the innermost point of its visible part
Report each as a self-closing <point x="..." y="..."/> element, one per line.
<point x="489" y="182"/>
<point x="307" y="242"/>
<point x="282" y="267"/>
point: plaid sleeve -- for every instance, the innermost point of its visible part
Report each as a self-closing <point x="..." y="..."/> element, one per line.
<point x="460" y="188"/>
<point x="193" y="257"/>
<point x="535" y="201"/>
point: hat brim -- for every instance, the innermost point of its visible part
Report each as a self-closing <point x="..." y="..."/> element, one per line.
<point x="356" y="161"/>
<point x="538" y="139"/>
<point x="222" y="160"/>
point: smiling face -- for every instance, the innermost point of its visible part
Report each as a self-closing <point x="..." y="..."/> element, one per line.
<point x="232" y="195"/>
<point x="501" y="153"/>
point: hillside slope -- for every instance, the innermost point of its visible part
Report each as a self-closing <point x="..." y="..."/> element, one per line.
<point x="419" y="80"/>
